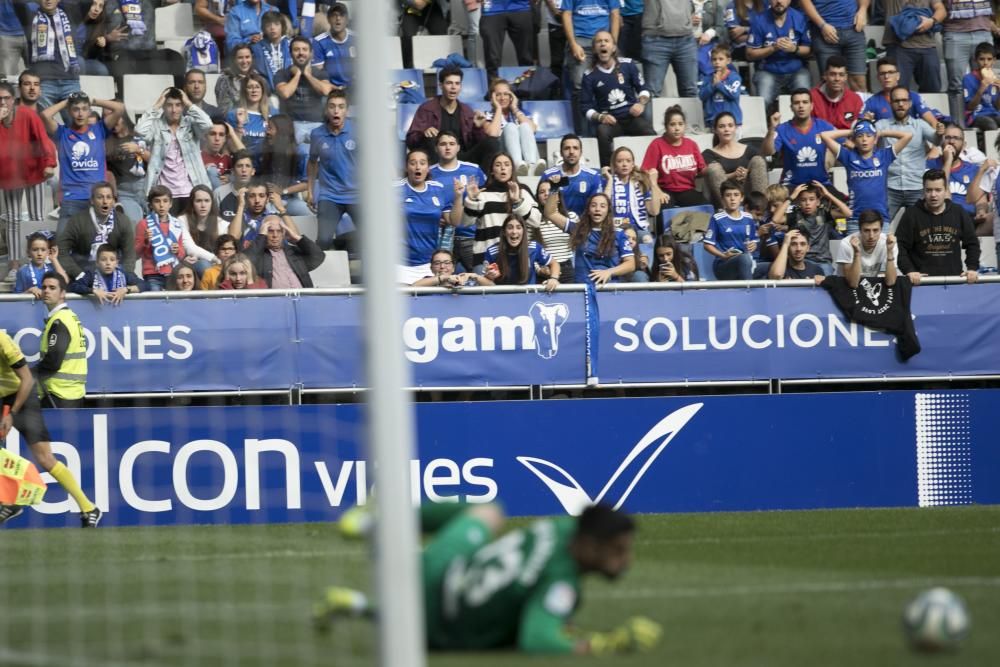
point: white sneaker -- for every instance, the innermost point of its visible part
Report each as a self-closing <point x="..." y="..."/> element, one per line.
<point x="522" y="169"/>
<point x="540" y="167"/>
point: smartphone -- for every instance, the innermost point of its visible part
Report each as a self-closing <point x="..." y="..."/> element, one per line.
<point x="736" y="251"/>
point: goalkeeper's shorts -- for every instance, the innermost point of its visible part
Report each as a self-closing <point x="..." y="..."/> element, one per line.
<point x="28" y="419"/>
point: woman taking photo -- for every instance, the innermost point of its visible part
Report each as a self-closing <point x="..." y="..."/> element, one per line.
<point x="729" y="158"/>
<point x="635" y="196"/>
<point x="677" y="159"/>
<point x="671" y="264"/>
<point x="555" y="240"/>
<point x="602" y="253"/>
<point x="512" y="261"/>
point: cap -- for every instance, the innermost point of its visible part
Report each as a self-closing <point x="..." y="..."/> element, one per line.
<point x="864" y="127"/>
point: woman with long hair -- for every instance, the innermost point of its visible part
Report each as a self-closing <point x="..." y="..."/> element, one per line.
<point x="501" y="196"/>
<point x="100" y="42"/>
<point x="677" y="160"/>
<point x="671" y="264"/>
<point x="635" y="195"/>
<point x="239" y="273"/>
<point x="250" y="116"/>
<point x="280" y="166"/>
<point x="730" y="158"/>
<point x="517" y="130"/>
<point x="183" y="279"/>
<point x="555" y="240"/>
<point x="230" y="83"/>
<point x="127" y="157"/>
<point x="202" y="226"/>
<point x="512" y="261"/>
<point x="602" y="253"/>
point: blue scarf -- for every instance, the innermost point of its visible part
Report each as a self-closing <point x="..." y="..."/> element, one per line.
<point x="251" y="227"/>
<point x="110" y="283"/>
<point x="103" y="234"/>
<point x="202" y="52"/>
<point x="162" y="256"/>
<point x="132" y="11"/>
<point x="35" y="273"/>
<point x="49" y="33"/>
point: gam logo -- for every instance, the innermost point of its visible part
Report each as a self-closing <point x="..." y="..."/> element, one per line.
<point x="571" y="494"/>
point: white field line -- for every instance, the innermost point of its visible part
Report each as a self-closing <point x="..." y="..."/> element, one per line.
<point x="796" y="588"/>
<point x="822" y="537"/>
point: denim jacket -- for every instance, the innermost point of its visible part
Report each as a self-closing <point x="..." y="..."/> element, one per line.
<point x="154" y="130"/>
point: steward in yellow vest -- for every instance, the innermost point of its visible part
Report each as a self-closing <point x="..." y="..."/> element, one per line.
<point x="62" y="370"/>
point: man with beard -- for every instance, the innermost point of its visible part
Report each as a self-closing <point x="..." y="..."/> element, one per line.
<point x="779" y="38"/>
<point x="576" y="183"/>
<point x="905" y="173"/>
<point x="195" y="85"/>
<point x="303" y="88"/>
<point x="791" y="262"/>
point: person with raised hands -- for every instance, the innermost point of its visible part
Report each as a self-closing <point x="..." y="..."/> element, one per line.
<point x="283" y="257"/>
<point x="488" y="207"/>
<point x="602" y="253"/>
<point x="517" y="129"/>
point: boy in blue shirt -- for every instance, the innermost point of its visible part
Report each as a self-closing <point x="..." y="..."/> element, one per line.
<point x="107" y="281"/>
<point x="44" y="254"/>
<point x="982" y="91"/>
<point x="721" y="92"/>
<point x="867" y="167"/>
<point x="335" y="49"/>
<point x="731" y="236"/>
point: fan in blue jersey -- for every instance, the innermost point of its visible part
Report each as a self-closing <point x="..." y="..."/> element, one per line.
<point x="981" y="90"/>
<point x="250" y="115"/>
<point x="963" y="176"/>
<point x="720" y="92"/>
<point x="731" y="236"/>
<point x="426" y="204"/>
<point x="514" y="259"/>
<point x="614" y="96"/>
<point x="879" y="105"/>
<point x="333" y="164"/>
<point x="803" y="153"/>
<point x="867" y="167"/>
<point x="448" y="170"/>
<point x="576" y="183"/>
<point x="335" y="49"/>
<point x="601" y="252"/>
<point x="779" y="38"/>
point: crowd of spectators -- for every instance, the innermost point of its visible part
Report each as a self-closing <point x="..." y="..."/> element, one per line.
<point x="191" y="195"/>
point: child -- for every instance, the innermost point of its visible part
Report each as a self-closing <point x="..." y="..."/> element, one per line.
<point x="982" y="91"/>
<point x="271" y="54"/>
<point x="813" y="217"/>
<point x="107" y="282"/>
<point x="159" y="240"/>
<point x="771" y="225"/>
<point x="225" y="247"/>
<point x="867" y="167"/>
<point x="721" y="91"/>
<point x="44" y="254"/>
<point x="732" y="236"/>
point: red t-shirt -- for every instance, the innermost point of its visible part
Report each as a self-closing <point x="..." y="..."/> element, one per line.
<point x="224" y="162"/>
<point x="678" y="165"/>
<point x="842" y="113"/>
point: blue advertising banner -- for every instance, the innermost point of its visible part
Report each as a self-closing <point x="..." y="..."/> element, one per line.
<point x="788" y="333"/>
<point x="452" y="340"/>
<point x="174" y="466"/>
<point x="174" y="344"/>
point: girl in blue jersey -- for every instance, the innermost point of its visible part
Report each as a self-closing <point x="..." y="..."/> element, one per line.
<point x="635" y="196"/>
<point x="512" y="261"/>
<point x="250" y="117"/>
<point x="602" y="253"/>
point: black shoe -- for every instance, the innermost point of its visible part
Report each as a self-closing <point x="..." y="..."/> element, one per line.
<point x="8" y="512"/>
<point x="92" y="518"/>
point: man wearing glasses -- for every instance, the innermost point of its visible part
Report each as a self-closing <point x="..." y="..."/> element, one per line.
<point x="964" y="177"/>
<point x="879" y="105"/>
<point x="906" y="172"/>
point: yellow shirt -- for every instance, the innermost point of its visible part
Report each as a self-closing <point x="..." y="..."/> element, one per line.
<point x="10" y="354"/>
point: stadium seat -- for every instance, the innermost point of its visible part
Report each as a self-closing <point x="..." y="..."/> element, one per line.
<point x="210" y="81"/>
<point x="874" y="32"/>
<point x="404" y="116"/>
<point x="938" y="101"/>
<point x="754" y="116"/>
<point x="773" y="176"/>
<point x="142" y="90"/>
<point x="972" y="138"/>
<point x="554" y="119"/>
<point x="704" y="141"/>
<point x="395" y="53"/>
<point x="335" y="271"/>
<point x="839" y="177"/>
<point x="174" y="22"/>
<point x="307" y="225"/>
<point x="785" y="107"/>
<point x="428" y="48"/>
<point x="398" y="76"/>
<point x="637" y="144"/>
<point x="988" y="252"/>
<point x="693" y="111"/>
<point x="704" y="261"/>
<point x="474" y="85"/>
<point x="591" y="155"/>
<point x="98" y="87"/>
<point x="990" y="142"/>
<point x="530" y="182"/>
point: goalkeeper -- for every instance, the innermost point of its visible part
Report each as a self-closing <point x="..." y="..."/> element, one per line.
<point x="518" y="590"/>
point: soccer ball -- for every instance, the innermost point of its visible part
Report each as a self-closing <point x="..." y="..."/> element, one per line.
<point x="936" y="620"/>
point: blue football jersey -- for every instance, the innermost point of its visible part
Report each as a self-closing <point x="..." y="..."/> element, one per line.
<point x="959" y="181"/>
<point x="803" y="153"/>
<point x="726" y="232"/>
<point x="422" y="211"/>
<point x="582" y="186"/>
<point x="465" y="171"/>
<point x="867" y="180"/>
<point x="82" y="159"/>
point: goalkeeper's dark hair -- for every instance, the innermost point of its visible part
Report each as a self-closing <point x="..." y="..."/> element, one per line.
<point x="602" y="523"/>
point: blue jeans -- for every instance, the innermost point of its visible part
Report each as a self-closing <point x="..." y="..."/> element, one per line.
<point x="328" y="216"/>
<point x="958" y="50"/>
<point x="850" y="45"/>
<point x="155" y="283"/>
<point x="132" y="197"/>
<point x="94" y="68"/>
<point x="574" y="78"/>
<point x="770" y="85"/>
<point x="739" y="267"/>
<point x="519" y="141"/>
<point x="660" y="52"/>
<point x="902" y="199"/>
<point x="56" y="90"/>
<point x="924" y="65"/>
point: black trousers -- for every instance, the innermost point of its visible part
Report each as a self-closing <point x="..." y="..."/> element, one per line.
<point x="410" y="24"/>
<point x="492" y="29"/>
<point x="630" y="37"/>
<point x="557" y="50"/>
<point x="630" y="126"/>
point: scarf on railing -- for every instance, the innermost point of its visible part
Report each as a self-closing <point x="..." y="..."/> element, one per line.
<point x="110" y="283"/>
<point x="162" y="256"/>
<point x="103" y="233"/>
<point x="49" y="33"/>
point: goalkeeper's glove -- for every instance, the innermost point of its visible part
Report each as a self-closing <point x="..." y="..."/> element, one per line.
<point x="637" y="634"/>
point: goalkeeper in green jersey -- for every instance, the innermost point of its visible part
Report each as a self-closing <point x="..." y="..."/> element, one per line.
<point x="483" y="591"/>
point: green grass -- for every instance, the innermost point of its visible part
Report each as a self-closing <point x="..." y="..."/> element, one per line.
<point x="778" y="588"/>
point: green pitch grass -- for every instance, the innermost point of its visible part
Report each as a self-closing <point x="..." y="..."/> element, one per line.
<point x="779" y="588"/>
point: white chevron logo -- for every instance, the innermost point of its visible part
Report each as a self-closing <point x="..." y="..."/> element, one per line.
<point x="572" y="496"/>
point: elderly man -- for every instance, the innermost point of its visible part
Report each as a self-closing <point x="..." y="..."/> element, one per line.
<point x="282" y="257"/>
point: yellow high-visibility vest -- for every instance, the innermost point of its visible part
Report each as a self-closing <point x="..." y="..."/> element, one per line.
<point x="70" y="381"/>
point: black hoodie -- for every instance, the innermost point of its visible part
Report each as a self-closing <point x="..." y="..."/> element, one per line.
<point x="932" y="244"/>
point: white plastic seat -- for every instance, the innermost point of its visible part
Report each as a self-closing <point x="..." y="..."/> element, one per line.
<point x="174" y="22"/>
<point x="335" y="271"/>
<point x="142" y="90"/>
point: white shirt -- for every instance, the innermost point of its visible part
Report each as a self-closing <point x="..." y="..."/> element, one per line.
<point x="872" y="263"/>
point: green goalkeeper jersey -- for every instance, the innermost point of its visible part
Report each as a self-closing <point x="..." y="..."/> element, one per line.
<point x="517" y="590"/>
